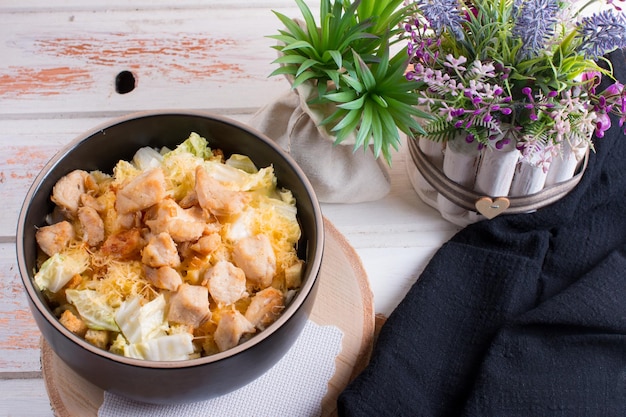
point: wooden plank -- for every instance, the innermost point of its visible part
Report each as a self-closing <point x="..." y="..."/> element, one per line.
<point x="24" y="398"/>
<point x="25" y="147"/>
<point x="19" y="335"/>
<point x="209" y="58"/>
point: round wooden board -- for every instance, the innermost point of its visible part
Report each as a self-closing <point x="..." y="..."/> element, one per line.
<point x="344" y="299"/>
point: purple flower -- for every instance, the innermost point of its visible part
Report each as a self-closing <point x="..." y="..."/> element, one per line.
<point x="603" y="123"/>
<point x="535" y="21"/>
<point x="615" y="89"/>
<point x="443" y="15"/>
<point x="602" y="33"/>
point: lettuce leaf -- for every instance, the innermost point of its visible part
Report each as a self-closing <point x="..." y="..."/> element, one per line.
<point x="139" y="323"/>
<point x="175" y="347"/>
<point x="57" y="270"/>
<point x="195" y="145"/>
<point x="93" y="309"/>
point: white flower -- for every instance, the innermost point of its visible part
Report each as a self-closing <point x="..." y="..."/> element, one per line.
<point x="483" y="70"/>
<point x="455" y="63"/>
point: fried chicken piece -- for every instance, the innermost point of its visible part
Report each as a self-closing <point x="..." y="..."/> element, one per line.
<point x="183" y="225"/>
<point x="165" y="277"/>
<point x="160" y="251"/>
<point x="92" y="225"/>
<point x="256" y="257"/>
<point x="87" y="200"/>
<point x="123" y="245"/>
<point x="207" y="244"/>
<point x="189" y="305"/>
<point x="215" y="197"/>
<point x="226" y="283"/>
<point x="265" y="307"/>
<point x="142" y="192"/>
<point x="128" y="220"/>
<point x="67" y="191"/>
<point x="229" y="330"/>
<point x="189" y="200"/>
<point x="54" y="238"/>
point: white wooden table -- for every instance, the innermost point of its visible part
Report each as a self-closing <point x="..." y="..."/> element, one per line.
<point x="59" y="62"/>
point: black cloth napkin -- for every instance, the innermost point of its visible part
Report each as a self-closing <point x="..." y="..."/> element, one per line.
<point x="522" y="315"/>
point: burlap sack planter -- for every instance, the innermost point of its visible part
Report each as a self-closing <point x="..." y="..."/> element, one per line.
<point x="338" y="173"/>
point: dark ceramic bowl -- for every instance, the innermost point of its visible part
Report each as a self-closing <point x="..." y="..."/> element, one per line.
<point x="174" y="381"/>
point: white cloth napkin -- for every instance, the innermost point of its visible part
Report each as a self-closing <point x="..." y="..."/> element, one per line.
<point x="295" y="386"/>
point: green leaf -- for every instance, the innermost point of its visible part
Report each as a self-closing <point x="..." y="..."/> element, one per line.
<point x="341" y="97"/>
<point x="390" y="130"/>
<point x="306" y="65"/>
<point x="347" y="130"/>
<point x="334" y="77"/>
<point x="377" y="133"/>
<point x="391" y="14"/>
<point x="335" y="56"/>
<point x="338" y="114"/>
<point x="285" y="39"/>
<point x="348" y="119"/>
<point x="290" y="70"/>
<point x="311" y="25"/>
<point x="354" y="83"/>
<point x="354" y="37"/>
<point x="365" y="9"/>
<point x="305" y="76"/>
<point x="354" y="104"/>
<point x="379" y="100"/>
<point x="403" y="116"/>
<point x="382" y="67"/>
<point x="326" y="35"/>
<point x="364" y="72"/>
<point x="293" y="28"/>
<point x="298" y="45"/>
<point x="365" y="129"/>
<point x="290" y="59"/>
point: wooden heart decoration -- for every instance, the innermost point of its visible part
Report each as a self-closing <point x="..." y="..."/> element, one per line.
<point x="491" y="208"/>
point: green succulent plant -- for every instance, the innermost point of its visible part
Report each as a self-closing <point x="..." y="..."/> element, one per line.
<point x="347" y="58"/>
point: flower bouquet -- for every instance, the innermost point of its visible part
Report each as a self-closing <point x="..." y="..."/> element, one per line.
<point x="348" y="98"/>
<point x="513" y="90"/>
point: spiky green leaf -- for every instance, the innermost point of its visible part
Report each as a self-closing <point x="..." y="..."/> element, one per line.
<point x="350" y="118"/>
<point x="342" y="96"/>
<point x="364" y="73"/>
<point x="305" y="76"/>
<point x="290" y="59"/>
<point x="354" y="104"/>
<point x="306" y="65"/>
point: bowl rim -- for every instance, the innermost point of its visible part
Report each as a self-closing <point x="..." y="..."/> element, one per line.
<point x="290" y="310"/>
